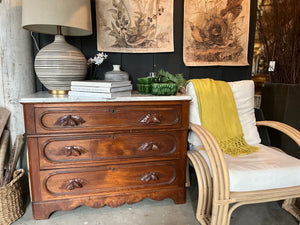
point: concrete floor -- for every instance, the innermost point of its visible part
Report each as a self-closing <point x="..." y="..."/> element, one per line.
<point x="150" y="212"/>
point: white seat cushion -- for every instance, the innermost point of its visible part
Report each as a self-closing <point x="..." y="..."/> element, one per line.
<point x="265" y="169"/>
<point x="243" y="92"/>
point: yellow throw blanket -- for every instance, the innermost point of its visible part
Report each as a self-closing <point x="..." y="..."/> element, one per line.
<point x="218" y="114"/>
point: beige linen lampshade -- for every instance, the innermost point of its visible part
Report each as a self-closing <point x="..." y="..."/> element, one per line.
<point x="58" y="63"/>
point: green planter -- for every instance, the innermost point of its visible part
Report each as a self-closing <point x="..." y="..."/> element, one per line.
<point x="164" y="88"/>
<point x="144" y="88"/>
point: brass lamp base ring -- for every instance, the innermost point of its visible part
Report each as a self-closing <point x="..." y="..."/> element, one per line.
<point x="58" y="92"/>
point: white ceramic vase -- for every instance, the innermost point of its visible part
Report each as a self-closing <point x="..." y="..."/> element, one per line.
<point x="116" y="74"/>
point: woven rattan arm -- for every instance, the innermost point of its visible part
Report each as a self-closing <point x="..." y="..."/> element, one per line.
<point x="289" y="204"/>
<point x="220" y="175"/>
<point x="215" y="154"/>
<point x="204" y="186"/>
<point x="284" y="128"/>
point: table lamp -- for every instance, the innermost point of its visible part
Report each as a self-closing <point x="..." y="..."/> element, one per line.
<point x="59" y="63"/>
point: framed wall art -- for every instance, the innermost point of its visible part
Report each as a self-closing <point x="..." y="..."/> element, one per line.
<point x="216" y="32"/>
<point x="135" y="26"/>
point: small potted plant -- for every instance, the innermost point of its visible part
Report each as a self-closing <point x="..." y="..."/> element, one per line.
<point x="163" y="83"/>
<point x="94" y="63"/>
<point x="167" y="83"/>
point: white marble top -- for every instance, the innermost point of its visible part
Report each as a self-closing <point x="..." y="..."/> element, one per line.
<point x="45" y="97"/>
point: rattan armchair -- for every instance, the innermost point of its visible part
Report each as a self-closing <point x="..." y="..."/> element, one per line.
<point x="217" y="199"/>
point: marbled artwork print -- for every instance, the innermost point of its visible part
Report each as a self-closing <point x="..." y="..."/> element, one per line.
<point x="135" y="26"/>
<point x="216" y="32"/>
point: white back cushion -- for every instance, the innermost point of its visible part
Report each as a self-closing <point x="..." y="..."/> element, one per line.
<point x="243" y="92"/>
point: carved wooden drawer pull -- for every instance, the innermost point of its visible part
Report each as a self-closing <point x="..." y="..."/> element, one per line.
<point x="151" y="119"/>
<point x="150" y="176"/>
<point x="73" y="150"/>
<point x="148" y="146"/>
<point x="74" y="183"/>
<point x="70" y="120"/>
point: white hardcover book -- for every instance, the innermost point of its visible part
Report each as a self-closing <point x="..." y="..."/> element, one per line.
<point x="100" y="83"/>
<point x="101" y="89"/>
<point x="98" y="94"/>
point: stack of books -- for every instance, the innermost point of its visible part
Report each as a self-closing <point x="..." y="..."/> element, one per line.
<point x="100" y="88"/>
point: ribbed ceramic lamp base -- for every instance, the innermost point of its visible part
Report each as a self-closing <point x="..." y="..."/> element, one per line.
<point x="59" y="63"/>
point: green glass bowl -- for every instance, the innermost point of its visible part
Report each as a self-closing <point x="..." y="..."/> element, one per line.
<point x="145" y="80"/>
<point x="144" y="88"/>
<point x="148" y="80"/>
<point x="164" y="88"/>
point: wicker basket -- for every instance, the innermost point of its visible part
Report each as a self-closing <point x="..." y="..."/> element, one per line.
<point x="11" y="199"/>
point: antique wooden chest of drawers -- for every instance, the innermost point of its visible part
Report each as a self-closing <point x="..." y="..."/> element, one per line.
<point x="105" y="152"/>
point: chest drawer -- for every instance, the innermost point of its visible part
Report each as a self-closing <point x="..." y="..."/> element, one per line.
<point x="106" y="117"/>
<point x="110" y="179"/>
<point x="71" y="151"/>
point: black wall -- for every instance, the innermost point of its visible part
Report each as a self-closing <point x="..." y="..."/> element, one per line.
<point x="139" y="65"/>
